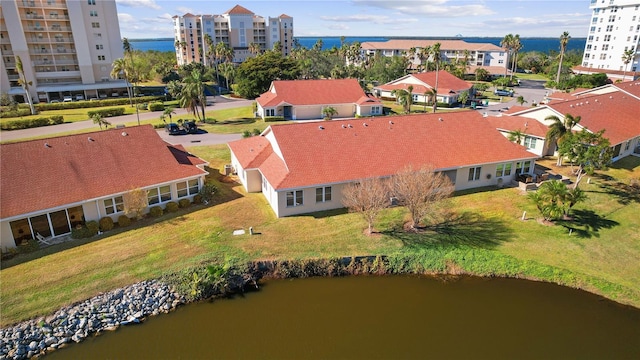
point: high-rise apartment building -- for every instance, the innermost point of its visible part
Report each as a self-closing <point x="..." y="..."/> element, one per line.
<point x="238" y="28"/>
<point x="614" y="29"/>
<point x="66" y="47"/>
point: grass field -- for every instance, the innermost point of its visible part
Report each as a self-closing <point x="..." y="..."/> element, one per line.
<point x="484" y="235"/>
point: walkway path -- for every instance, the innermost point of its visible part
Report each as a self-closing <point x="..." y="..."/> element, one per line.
<point x="205" y="139"/>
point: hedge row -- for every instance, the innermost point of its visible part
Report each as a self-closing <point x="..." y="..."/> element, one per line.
<point x="273" y="118"/>
<point x="95" y="103"/>
<point x="5" y="112"/>
<point x="31" y="123"/>
<point x="107" y="112"/>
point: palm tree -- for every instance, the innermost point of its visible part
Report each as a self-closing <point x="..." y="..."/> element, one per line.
<point x="627" y="57"/>
<point x="98" y="119"/>
<point x="167" y="113"/>
<point x="404" y="98"/>
<point x="254" y="48"/>
<point x="481" y="74"/>
<point x="329" y="112"/>
<point x="516" y="46"/>
<point x="520" y="100"/>
<point x="516" y="136"/>
<point x="434" y="52"/>
<point x="560" y="129"/>
<point x="25" y="84"/>
<point x="192" y="97"/>
<point x="507" y="43"/>
<point x="564" y="40"/>
<point x="429" y="95"/>
<point x="228" y="70"/>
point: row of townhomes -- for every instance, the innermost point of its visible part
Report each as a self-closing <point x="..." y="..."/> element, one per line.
<point x="302" y="168"/>
<point x="50" y="186"/>
<point x="237" y="28"/>
<point x="66" y="48"/>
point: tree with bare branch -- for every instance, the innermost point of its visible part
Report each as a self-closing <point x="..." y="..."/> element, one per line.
<point x="421" y="192"/>
<point x="135" y="201"/>
<point x="367" y="197"/>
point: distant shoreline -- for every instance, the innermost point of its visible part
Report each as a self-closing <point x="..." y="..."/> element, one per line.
<point x="390" y="37"/>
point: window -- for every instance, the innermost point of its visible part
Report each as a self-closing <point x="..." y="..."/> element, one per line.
<point x="609" y="27"/>
<point x="523" y="167"/>
<point x="101" y="57"/>
<point x="503" y="170"/>
<point x="114" y="205"/>
<point x="530" y="142"/>
<point x="95" y="25"/>
<point x="93" y="13"/>
<point x="92" y="2"/>
<point x="160" y="194"/>
<point x="627" y="145"/>
<point x="294" y="198"/>
<point x="98" y="47"/>
<point x="474" y="173"/>
<point x="323" y="194"/>
<point x="376" y="110"/>
<point x="270" y="112"/>
<point x="188" y="188"/>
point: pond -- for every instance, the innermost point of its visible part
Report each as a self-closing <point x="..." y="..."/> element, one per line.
<point x="389" y="317"/>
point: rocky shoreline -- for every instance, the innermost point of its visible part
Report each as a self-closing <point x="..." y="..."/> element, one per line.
<point x="105" y="312"/>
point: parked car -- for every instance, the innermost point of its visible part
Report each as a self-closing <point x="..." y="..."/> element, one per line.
<point x="190" y="127"/>
<point x="503" y="92"/>
<point x="79" y="97"/>
<point x="67" y="98"/>
<point x="173" y="129"/>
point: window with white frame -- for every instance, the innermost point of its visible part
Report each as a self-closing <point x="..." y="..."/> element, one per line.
<point x="474" y="173"/>
<point x="188" y="188"/>
<point x="530" y="142"/>
<point x="270" y="112"/>
<point x="113" y="205"/>
<point x="503" y="170"/>
<point x="294" y="198"/>
<point x="159" y="194"/>
<point x="323" y="194"/>
<point x="95" y="25"/>
<point x="523" y="167"/>
<point x="627" y="145"/>
<point x="376" y="110"/>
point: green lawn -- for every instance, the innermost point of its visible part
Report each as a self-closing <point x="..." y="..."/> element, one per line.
<point x="484" y="234"/>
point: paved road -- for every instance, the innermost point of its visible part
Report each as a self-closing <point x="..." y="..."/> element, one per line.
<point x="186" y="140"/>
<point x="532" y="91"/>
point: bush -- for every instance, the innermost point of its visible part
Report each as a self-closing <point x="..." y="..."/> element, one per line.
<point x="210" y="121"/>
<point x="183" y="203"/>
<point x="123" y="220"/>
<point x="88" y="230"/>
<point x="156" y="106"/>
<point x="197" y="199"/>
<point x="57" y="119"/>
<point x="31" y="123"/>
<point x="155" y="211"/>
<point x="142" y="106"/>
<point x="93" y="227"/>
<point x="93" y="104"/>
<point x="172" y="206"/>
<point x="246" y="134"/>
<point x="207" y="192"/>
<point x="106" y="223"/>
<point x="273" y="118"/>
<point x="158" y="126"/>
<point x="256" y="132"/>
<point x="107" y="112"/>
<point x="5" y="113"/>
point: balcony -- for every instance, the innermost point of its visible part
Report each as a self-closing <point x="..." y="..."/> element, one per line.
<point x="35" y="28"/>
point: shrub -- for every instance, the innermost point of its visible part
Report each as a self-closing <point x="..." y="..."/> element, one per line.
<point x="57" y="119"/>
<point x="123" y="220"/>
<point x="197" y="199"/>
<point x="93" y="227"/>
<point x="15" y="113"/>
<point x="183" y="203"/>
<point x="107" y="112"/>
<point x="156" y="106"/>
<point x="273" y="118"/>
<point x="88" y="230"/>
<point x="246" y="134"/>
<point x="207" y="192"/>
<point x="172" y="206"/>
<point x="155" y="211"/>
<point x="31" y="123"/>
<point x="106" y="223"/>
<point x="210" y="121"/>
<point x="158" y="126"/>
<point x="93" y="104"/>
<point x="142" y="106"/>
<point x="256" y="132"/>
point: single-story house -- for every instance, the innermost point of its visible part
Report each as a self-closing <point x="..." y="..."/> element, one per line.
<point x="303" y="167"/>
<point x="50" y="186"/>
<point x="614" y="112"/>
<point x="449" y="87"/>
<point x="305" y="99"/>
<point x="533" y="132"/>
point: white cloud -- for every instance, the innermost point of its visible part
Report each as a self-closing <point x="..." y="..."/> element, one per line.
<point x="376" y="19"/>
<point x="429" y="8"/>
<point x="184" y="10"/>
<point x="139" y="3"/>
<point x="338" y="27"/>
<point x="125" y="18"/>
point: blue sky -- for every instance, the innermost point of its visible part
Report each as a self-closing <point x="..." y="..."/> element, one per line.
<point x="542" y="18"/>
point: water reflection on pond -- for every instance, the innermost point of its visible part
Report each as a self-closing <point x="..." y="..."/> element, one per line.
<point x="390" y="317"/>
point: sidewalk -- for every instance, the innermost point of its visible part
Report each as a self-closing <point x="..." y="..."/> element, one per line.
<point x="219" y="103"/>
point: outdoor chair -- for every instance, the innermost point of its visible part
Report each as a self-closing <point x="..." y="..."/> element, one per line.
<point x="42" y="240"/>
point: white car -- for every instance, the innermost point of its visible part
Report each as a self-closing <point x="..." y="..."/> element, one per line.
<point x="79" y="97"/>
<point x="67" y="99"/>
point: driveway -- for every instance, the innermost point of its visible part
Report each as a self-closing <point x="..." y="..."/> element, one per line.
<point x="532" y="91"/>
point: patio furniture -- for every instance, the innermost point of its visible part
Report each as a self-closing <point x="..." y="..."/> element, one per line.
<point x="42" y="240"/>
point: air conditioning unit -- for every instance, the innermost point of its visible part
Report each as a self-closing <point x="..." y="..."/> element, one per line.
<point x="393" y="201"/>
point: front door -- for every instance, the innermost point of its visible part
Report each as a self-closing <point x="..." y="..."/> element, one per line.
<point x="287" y="112"/>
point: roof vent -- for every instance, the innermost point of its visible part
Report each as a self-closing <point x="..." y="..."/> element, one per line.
<point x="610" y="97"/>
<point x="124" y="133"/>
<point x="365" y="124"/>
<point x="350" y="126"/>
<point x="344" y="126"/>
<point x="440" y="119"/>
<point x="571" y="105"/>
<point x="90" y="139"/>
<point x="321" y="127"/>
<point x="47" y="145"/>
<point x="390" y="122"/>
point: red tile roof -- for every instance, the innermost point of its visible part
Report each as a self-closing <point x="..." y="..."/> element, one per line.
<point x="513" y="123"/>
<point x="346" y="150"/>
<point x="42" y="174"/>
<point x="632" y="87"/>
<point x="447" y="83"/>
<point x="617" y="113"/>
<point x="406" y="44"/>
<point x="312" y="92"/>
<point x="239" y="10"/>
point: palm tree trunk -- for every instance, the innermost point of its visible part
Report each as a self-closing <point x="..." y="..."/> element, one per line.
<point x="559" y="69"/>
